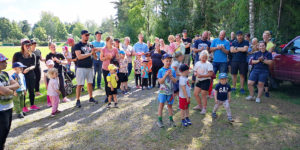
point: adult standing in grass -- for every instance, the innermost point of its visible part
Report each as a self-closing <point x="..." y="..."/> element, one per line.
<point x="85" y="53"/>
<point x="157" y="63"/>
<point x="37" y="69"/>
<point x="187" y="43"/>
<point x="129" y="53"/>
<point x="260" y="72"/>
<point x="27" y="58"/>
<point x="98" y="44"/>
<point x="140" y="46"/>
<point x="7" y="88"/>
<point x="108" y="53"/>
<point x="59" y="60"/>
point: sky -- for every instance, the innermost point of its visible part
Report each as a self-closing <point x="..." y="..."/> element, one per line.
<point x="66" y="10"/>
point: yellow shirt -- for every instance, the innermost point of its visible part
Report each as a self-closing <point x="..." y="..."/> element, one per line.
<point x="269" y="45"/>
<point x="112" y="79"/>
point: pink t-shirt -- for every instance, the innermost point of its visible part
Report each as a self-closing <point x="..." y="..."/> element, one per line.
<point x="172" y="48"/>
<point x="106" y="52"/>
<point x="53" y="85"/>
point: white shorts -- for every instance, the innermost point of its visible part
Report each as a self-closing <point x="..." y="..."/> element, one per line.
<point x="83" y="74"/>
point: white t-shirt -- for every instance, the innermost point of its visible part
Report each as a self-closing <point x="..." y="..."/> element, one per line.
<point x="176" y="64"/>
<point x="202" y="69"/>
<point x="184" y="81"/>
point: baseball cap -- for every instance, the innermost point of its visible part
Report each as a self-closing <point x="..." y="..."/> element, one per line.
<point x="166" y="56"/>
<point x="85" y="32"/>
<point x="2" y="57"/>
<point x="184" y="31"/>
<point x="112" y="67"/>
<point x="117" y="40"/>
<point x="122" y="52"/>
<point x="183" y="67"/>
<point x="222" y="75"/>
<point x="49" y="62"/>
<point x="98" y="32"/>
<point x="239" y="33"/>
<point x="70" y="40"/>
<point x="33" y="41"/>
<point x="18" y="64"/>
<point x="25" y="42"/>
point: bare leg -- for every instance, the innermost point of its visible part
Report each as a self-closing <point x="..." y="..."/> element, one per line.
<point x="78" y="91"/>
<point x="160" y="109"/>
<point x="115" y="98"/>
<point x="251" y="87"/>
<point x="242" y="81"/>
<point x="90" y="89"/>
<point x="197" y="97"/>
<point x="109" y="98"/>
<point x="170" y="110"/>
<point x="234" y="78"/>
<point x="260" y="87"/>
<point x="204" y="98"/>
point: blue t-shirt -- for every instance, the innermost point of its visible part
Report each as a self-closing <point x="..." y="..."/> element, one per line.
<point x="198" y="44"/>
<point x="145" y="72"/>
<point x="20" y="78"/>
<point x="222" y="91"/>
<point x="219" y="55"/>
<point x="97" y="44"/>
<point x="140" y="47"/>
<point x="240" y="56"/>
<point x="261" y="66"/>
<point x="167" y="87"/>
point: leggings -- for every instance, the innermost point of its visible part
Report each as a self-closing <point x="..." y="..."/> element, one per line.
<point x="138" y="80"/>
<point x="5" y="123"/>
<point x="37" y="72"/>
<point x="150" y="78"/>
<point x="62" y="85"/>
<point x="226" y="106"/>
<point x="145" y="82"/>
<point x="30" y="82"/>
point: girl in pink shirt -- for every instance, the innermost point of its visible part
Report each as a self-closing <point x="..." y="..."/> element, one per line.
<point x="53" y="90"/>
<point x="172" y="45"/>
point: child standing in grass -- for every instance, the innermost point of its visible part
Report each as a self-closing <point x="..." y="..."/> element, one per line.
<point x="175" y="65"/>
<point x="49" y="64"/>
<point x="149" y="64"/>
<point x="112" y="81"/>
<point x="137" y="70"/>
<point x="222" y="96"/>
<point x="53" y="90"/>
<point x="166" y="77"/>
<point x="145" y="74"/>
<point x="123" y="71"/>
<point x="184" y="95"/>
<point x="20" y="93"/>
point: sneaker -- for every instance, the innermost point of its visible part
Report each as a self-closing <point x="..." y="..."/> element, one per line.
<point x="267" y="94"/>
<point x="92" y="100"/>
<point x="242" y="91"/>
<point x="78" y="105"/>
<point x="25" y="109"/>
<point x="20" y="115"/>
<point x="172" y="123"/>
<point x="34" y="107"/>
<point x="184" y="123"/>
<point x="24" y="114"/>
<point x="137" y="87"/>
<point x="57" y="112"/>
<point x="230" y="119"/>
<point x="108" y="105"/>
<point x="160" y="124"/>
<point x="250" y="98"/>
<point x="52" y="114"/>
<point x="214" y="115"/>
<point x="197" y="107"/>
<point x="188" y="121"/>
<point x="257" y="100"/>
<point x="66" y="100"/>
<point x="116" y="105"/>
<point x="233" y="89"/>
<point x="203" y="112"/>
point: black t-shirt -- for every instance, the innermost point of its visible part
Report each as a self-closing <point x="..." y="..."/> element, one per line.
<point x="59" y="56"/>
<point x="28" y="62"/>
<point x="38" y="54"/>
<point x="222" y="91"/>
<point x="73" y="54"/>
<point x="239" y="56"/>
<point x="157" y="59"/>
<point x="84" y="48"/>
<point x="187" y="41"/>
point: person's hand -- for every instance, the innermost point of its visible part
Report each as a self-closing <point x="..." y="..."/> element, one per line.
<point x="55" y="59"/>
<point x="93" y="51"/>
<point x="219" y="47"/>
<point x="58" y="92"/>
<point x="26" y="70"/>
<point x="202" y="48"/>
<point x="229" y="100"/>
<point x="261" y="59"/>
<point x="112" y="89"/>
<point x="15" y="93"/>
<point x="199" y="76"/>
<point x="108" y="56"/>
<point x="216" y="101"/>
<point x="223" y="47"/>
<point x="25" y="92"/>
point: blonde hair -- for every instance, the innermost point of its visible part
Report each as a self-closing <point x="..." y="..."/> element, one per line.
<point x="51" y="72"/>
<point x="171" y="38"/>
<point x="267" y="32"/>
<point x="203" y="53"/>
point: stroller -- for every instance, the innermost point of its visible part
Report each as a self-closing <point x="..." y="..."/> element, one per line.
<point x="69" y="76"/>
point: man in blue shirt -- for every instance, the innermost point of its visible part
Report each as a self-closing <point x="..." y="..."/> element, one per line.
<point x="220" y="47"/>
<point x="98" y="43"/>
<point x="140" y="46"/>
<point x="239" y="50"/>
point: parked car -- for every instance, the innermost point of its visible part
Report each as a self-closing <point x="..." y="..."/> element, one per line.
<point x="286" y="64"/>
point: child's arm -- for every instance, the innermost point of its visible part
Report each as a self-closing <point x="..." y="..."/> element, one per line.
<point x="174" y="80"/>
<point x="209" y="74"/>
<point x="162" y="80"/>
<point x="229" y="97"/>
<point x="111" y="87"/>
<point x="45" y="81"/>
<point x="216" y="95"/>
<point x="117" y="78"/>
<point x="185" y="92"/>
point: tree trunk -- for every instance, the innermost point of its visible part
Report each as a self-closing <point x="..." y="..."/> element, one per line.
<point x="251" y="18"/>
<point x="279" y="14"/>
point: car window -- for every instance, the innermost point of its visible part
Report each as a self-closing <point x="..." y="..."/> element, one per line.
<point x="293" y="48"/>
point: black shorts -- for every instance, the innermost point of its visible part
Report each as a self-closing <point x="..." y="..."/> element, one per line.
<point x="112" y="92"/>
<point x="241" y="67"/>
<point x="176" y="87"/>
<point x="123" y="77"/>
<point x="204" y="85"/>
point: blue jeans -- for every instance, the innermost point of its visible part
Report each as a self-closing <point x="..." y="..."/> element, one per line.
<point x="220" y="66"/>
<point x="129" y="69"/>
<point x="98" y="72"/>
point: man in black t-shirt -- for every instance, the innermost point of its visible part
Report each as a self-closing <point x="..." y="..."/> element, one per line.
<point x="187" y="42"/>
<point x="85" y="52"/>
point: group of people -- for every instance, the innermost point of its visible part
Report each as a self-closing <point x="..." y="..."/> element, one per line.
<point x="167" y="65"/>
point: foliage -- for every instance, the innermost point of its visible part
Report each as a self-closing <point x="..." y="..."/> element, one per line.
<point x="40" y="33"/>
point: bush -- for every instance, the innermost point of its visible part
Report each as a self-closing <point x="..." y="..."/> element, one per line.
<point x="11" y="42"/>
<point x="43" y="43"/>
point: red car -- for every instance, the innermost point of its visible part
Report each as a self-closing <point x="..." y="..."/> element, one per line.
<point x="286" y="64"/>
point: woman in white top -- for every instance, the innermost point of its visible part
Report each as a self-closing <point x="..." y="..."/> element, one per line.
<point x="203" y="71"/>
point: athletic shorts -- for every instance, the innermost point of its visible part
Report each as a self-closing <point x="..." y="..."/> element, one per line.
<point x="162" y="98"/>
<point x="204" y="85"/>
<point x="183" y="104"/>
<point x="112" y="92"/>
<point x="123" y="77"/>
<point x="259" y="75"/>
<point x="83" y="74"/>
<point x="241" y="67"/>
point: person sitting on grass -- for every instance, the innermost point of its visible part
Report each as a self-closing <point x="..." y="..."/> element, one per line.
<point x="145" y="74"/>
<point x="222" y="96"/>
<point x="123" y="71"/>
<point x="112" y="81"/>
<point x="184" y="94"/>
<point x="20" y="93"/>
<point x="53" y="90"/>
<point x="166" y="78"/>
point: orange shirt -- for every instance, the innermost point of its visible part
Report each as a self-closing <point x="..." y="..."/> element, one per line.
<point x="150" y="65"/>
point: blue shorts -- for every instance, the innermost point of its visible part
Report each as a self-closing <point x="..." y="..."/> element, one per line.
<point x="259" y="75"/>
<point x="220" y="66"/>
<point x="162" y="98"/>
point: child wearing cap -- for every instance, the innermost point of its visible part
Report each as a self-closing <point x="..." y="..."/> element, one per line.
<point x="149" y="64"/>
<point x="166" y="77"/>
<point x="175" y="65"/>
<point x="137" y="70"/>
<point x="145" y="74"/>
<point x="20" y="93"/>
<point x="184" y="94"/>
<point x="112" y="83"/>
<point x="53" y="90"/>
<point x="222" y="96"/>
<point x="123" y="71"/>
<point x="49" y="64"/>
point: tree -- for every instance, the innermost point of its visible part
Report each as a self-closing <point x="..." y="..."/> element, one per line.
<point x="16" y="32"/>
<point x="25" y="27"/>
<point x="49" y="22"/>
<point x="91" y="26"/>
<point x="77" y="29"/>
<point x="5" y="28"/>
<point x="40" y="33"/>
<point x="251" y="18"/>
<point x="61" y="32"/>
